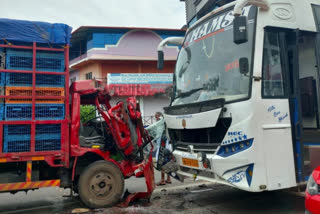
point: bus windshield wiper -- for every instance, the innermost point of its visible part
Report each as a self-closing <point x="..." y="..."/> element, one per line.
<point x="211" y="85"/>
<point x="188" y="93"/>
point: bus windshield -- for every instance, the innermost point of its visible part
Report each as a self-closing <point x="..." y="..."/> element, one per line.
<point x="208" y="64"/>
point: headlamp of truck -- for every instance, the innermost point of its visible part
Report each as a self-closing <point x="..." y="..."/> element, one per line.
<point x="312" y="186"/>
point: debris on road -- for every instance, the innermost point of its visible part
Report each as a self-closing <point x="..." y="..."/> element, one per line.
<point x="80" y="210"/>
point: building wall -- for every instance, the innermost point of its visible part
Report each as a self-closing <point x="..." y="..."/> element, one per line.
<point x="120" y="67"/>
<point x="151" y="67"/>
<point x="134" y="46"/>
<point x="95" y="68"/>
<point x="151" y="105"/>
<point x="74" y="76"/>
<point x="134" y="67"/>
<point x="100" y="69"/>
<point x="100" y="40"/>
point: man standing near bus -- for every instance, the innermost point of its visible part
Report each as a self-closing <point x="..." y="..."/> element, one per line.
<point x="162" y="182"/>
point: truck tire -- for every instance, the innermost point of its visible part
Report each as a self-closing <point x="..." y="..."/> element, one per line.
<point x="101" y="184"/>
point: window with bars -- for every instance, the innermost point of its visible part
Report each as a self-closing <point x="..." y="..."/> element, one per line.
<point x="89" y="76"/>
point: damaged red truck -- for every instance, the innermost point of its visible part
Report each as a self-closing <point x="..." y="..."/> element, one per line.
<point x="93" y="159"/>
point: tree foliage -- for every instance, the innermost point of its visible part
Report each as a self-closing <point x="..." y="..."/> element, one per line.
<point x="87" y="112"/>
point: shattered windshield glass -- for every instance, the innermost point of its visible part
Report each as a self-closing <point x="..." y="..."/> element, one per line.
<point x="208" y="63"/>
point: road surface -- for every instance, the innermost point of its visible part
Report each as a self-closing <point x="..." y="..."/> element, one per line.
<point x="174" y="198"/>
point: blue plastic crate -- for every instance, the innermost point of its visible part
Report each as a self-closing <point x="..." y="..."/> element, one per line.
<point x="17" y="138"/>
<point x="2" y="78"/>
<point x="1" y="111"/>
<point x="48" y="132"/>
<point x="2" y="92"/>
<point x="45" y="61"/>
<point x="2" y="59"/>
<point x="50" y="61"/>
<point x="42" y="80"/>
<point x="16" y="145"/>
<point x="48" y="136"/>
<point x="18" y="79"/>
<point x="2" y="66"/>
<point x="48" y="129"/>
<point x="16" y="131"/>
<point x="42" y="130"/>
<point x="42" y="112"/>
<point x="50" y="111"/>
<point x="48" y="145"/>
<point x="19" y="60"/>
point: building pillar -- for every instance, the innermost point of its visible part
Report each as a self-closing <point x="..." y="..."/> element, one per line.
<point x="140" y="98"/>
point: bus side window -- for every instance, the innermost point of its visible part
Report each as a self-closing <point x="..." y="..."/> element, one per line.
<point x="309" y="80"/>
<point x="272" y="76"/>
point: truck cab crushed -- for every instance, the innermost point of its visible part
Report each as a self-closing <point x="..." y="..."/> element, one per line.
<point x="116" y="133"/>
<point x="42" y="140"/>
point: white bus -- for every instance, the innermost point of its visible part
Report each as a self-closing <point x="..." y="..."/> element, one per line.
<point x="246" y="112"/>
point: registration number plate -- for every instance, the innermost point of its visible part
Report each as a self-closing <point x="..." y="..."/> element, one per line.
<point x="190" y="162"/>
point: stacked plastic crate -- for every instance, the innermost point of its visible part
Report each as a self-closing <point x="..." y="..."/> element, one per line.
<point x="33" y="80"/>
<point x="48" y="137"/>
<point x="2" y="80"/>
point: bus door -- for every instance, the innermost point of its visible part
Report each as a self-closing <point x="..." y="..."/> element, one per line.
<point x="303" y="83"/>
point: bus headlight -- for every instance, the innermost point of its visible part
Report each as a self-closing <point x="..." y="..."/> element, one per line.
<point x="227" y="150"/>
<point x="312" y="186"/>
<point x="233" y="148"/>
<point x="201" y="156"/>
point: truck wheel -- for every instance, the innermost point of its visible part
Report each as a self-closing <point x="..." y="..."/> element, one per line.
<point x="101" y="184"/>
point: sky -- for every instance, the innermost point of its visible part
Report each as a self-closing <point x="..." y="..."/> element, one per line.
<point x="76" y="13"/>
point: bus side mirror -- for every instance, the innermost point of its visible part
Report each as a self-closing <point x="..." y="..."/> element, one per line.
<point x="160" y="60"/>
<point x="240" y="29"/>
<point x="244" y="65"/>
